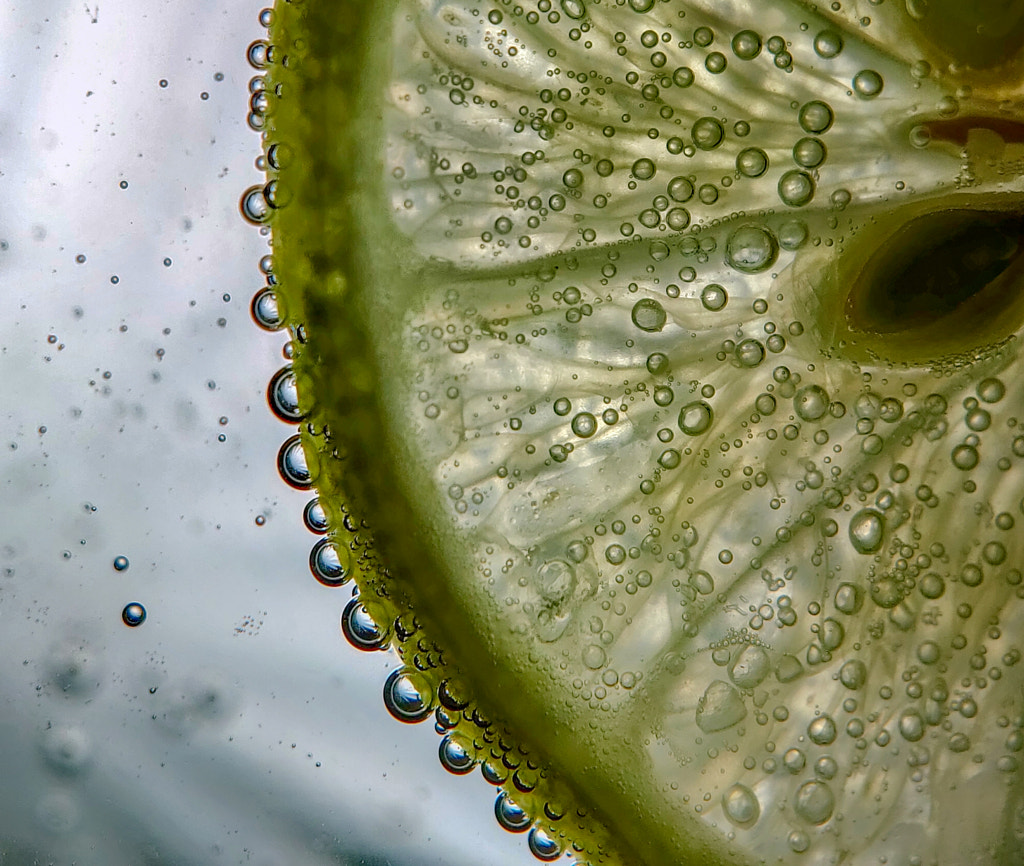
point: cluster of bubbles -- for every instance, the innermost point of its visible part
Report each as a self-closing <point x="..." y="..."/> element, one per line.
<point x="777" y="423"/>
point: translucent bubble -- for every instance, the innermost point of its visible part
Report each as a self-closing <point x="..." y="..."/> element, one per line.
<point x="751" y="249"/>
<point x="680" y="189"/>
<point x="314" y="516"/>
<point x="798" y="841"/>
<point x="752" y="162"/>
<point x="719" y="708"/>
<point x="741" y="806"/>
<point x="657" y="363"/>
<point x="816" y="117"/>
<point x="828" y="44"/>
<point x="971" y="575"/>
<point x="822" y="730"/>
<point x="749" y="353"/>
<point x="746" y="44"/>
<point x="991" y="390"/>
<point x="714" y="297"/>
<point x="931" y="585"/>
<point x="826" y="767"/>
<point x="928" y="652"/>
<point x="849" y="598"/>
<point x="751" y="667"/>
<point x="793" y="234"/>
<point x="254" y="206"/>
<point x="965" y="457"/>
<point x="649" y="315"/>
<point x="454" y="756"/>
<point x="283" y="396"/>
<point x="853" y="674"/>
<point x="562" y="406"/>
<point x="683" y="76"/>
<point x="695" y="418"/>
<point x="594" y="657"/>
<point x="867" y="530"/>
<point x="542" y="846"/>
<point x="134" y="614"/>
<point x="266" y="310"/>
<point x="584" y="425"/>
<point x="867" y="84"/>
<point x="796" y="188"/>
<point x="406" y="698"/>
<point x="644" y="169"/>
<point x="811" y="402"/>
<point x="359" y="628"/>
<point x="911" y="726"/>
<point x="716" y="63"/>
<point x="814" y="802"/>
<point x="663" y="395"/>
<point x="707" y="133"/>
<point x="765" y="404"/>
<point x="677" y="219"/>
<point x="328" y="564"/>
<point x="292" y="465"/>
<point x="120" y="563"/>
<point x="510" y="814"/>
<point x="794" y="760"/>
<point x="556" y="580"/>
<point x="574" y="9"/>
<point x="809" y="152"/>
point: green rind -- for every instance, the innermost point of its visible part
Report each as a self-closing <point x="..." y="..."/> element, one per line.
<point x="319" y="75"/>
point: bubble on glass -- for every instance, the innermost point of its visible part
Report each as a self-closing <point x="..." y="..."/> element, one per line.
<point x="121" y="563"/>
<point x="828" y="44"/>
<point x="584" y="425"/>
<point x="314" y="516"/>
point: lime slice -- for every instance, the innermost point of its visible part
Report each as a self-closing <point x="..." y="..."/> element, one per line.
<point x="659" y="367"/>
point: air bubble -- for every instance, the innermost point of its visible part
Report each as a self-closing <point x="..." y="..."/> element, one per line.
<point x="816" y="117"/>
<point x="741" y="806"/>
<point x="814" y="802"/>
<point x="133" y="615"/>
<point x="406" y="698"/>
<point x="649" y="315"/>
<point x="828" y="44"/>
<point x="867" y="84"/>
<point x="707" y="133"/>
<point x="328" y="564"/>
<point x="714" y="297"/>
<point x="510" y="814"/>
<point x="120" y="563"/>
<point x="314" y="516"/>
<point x="746" y="44"/>
<point x="796" y="188"/>
<point x="751" y="249"/>
<point x="867" y="530"/>
<point x="360" y="629"/>
<point x="455" y="758"/>
<point x="542" y="846"/>
<point x="283" y="396"/>
<point x="695" y="418"/>
<point x="752" y="162"/>
<point x="292" y="465"/>
<point x="266" y="310"/>
<point x="584" y="425"/>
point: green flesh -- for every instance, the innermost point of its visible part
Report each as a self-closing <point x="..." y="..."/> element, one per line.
<point x="662" y="620"/>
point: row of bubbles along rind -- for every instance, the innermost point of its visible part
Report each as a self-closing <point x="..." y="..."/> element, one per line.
<point x="408" y="695"/>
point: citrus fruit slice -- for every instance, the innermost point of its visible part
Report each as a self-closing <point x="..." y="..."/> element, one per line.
<point x="659" y="364"/>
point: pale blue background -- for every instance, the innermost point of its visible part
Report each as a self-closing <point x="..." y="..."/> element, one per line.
<point x="195" y="738"/>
